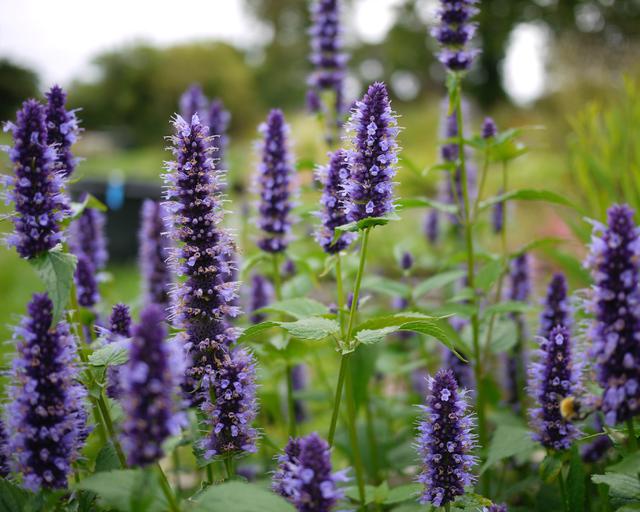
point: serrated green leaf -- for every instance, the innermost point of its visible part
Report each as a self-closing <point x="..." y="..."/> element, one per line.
<point x="112" y="354"/>
<point x="298" y="308"/>
<point x="254" y="330"/>
<point x="528" y="195"/>
<point x="437" y="281"/>
<point x="489" y="274"/>
<point x="391" y="320"/>
<point x="507" y="441"/>
<point x="403" y="493"/>
<point x="629" y="465"/>
<point x="56" y="269"/>
<point x="423" y="202"/>
<point x="107" y="459"/>
<point x="363" y="224"/>
<point x="620" y="485"/>
<point x="314" y="328"/>
<point x="240" y="497"/>
<point x="373" y="336"/>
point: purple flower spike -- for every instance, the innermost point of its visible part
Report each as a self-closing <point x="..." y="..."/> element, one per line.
<point x="45" y="416"/>
<point x="432" y="226"/>
<point x="553" y="377"/>
<point x="36" y="187"/>
<point x="261" y="296"/>
<point x="150" y="381"/>
<point x="193" y="101"/>
<point x="154" y="254"/>
<point x="304" y="476"/>
<point x="62" y="130"/>
<point x="615" y="264"/>
<point x="203" y="302"/>
<point x="4" y="466"/>
<point x="497" y="215"/>
<point x="234" y="407"/>
<point x="327" y="58"/>
<point x="454" y="33"/>
<point x="489" y="128"/>
<point x="406" y="261"/>
<point x="86" y="282"/>
<point x="445" y="442"/>
<point x="219" y="119"/>
<point x="373" y="157"/>
<point x="119" y="327"/>
<point x="556" y="309"/>
<point x="299" y="383"/>
<point x="274" y="176"/>
<point x="86" y="237"/>
<point x="333" y="212"/>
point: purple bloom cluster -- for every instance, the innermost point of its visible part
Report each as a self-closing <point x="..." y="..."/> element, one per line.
<point x="150" y="380"/>
<point x="497" y="215"/>
<point x="305" y="477"/>
<point x="326" y="55"/>
<point x="406" y="261"/>
<point x="87" y="237"/>
<point x="519" y="279"/>
<point x="333" y="213"/>
<point x="119" y="327"/>
<point x="373" y="157"/>
<point x="553" y="377"/>
<point x="454" y="33"/>
<point x="489" y="128"/>
<point x="193" y="101"/>
<point x="274" y="184"/>
<point x="36" y="188"/>
<point x="432" y="226"/>
<point x="445" y="442"/>
<point x="154" y="254"/>
<point x="62" y="130"/>
<point x="219" y="119"/>
<point x="86" y="282"/>
<point x="261" y="296"/>
<point x="231" y="406"/>
<point x="45" y="416"/>
<point x="615" y="264"/>
<point x="204" y="301"/>
<point x="556" y="309"/>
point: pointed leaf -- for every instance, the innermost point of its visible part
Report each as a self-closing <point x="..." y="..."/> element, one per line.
<point x="56" y="270"/>
<point x="298" y="308"/>
<point x="240" y="497"/>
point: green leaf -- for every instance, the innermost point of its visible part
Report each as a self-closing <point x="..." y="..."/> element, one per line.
<point x="576" y="487"/>
<point x="240" y="497"/>
<point x="508" y="306"/>
<point x="372" y="336"/>
<point x="56" y="269"/>
<point x="386" y="286"/>
<point x="107" y="459"/>
<point x="528" y="195"/>
<point x="251" y="262"/>
<point x="437" y="281"/>
<point x="489" y="274"/>
<point x="394" y="320"/>
<point x="77" y="209"/>
<point x="112" y="354"/>
<point x="620" y="485"/>
<point x="403" y="493"/>
<point x="629" y="465"/>
<point x="314" y="328"/>
<point x="254" y="330"/>
<point x="550" y="468"/>
<point x="12" y="497"/>
<point x="507" y="441"/>
<point x="541" y="243"/>
<point x="298" y="308"/>
<point x="363" y="224"/>
<point x="423" y="202"/>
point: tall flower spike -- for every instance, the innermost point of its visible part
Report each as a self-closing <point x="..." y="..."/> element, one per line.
<point x="432" y="226"/>
<point x="274" y="184"/>
<point x="299" y="383"/>
<point x="261" y="296"/>
<point x="304" y="476"/>
<point x="445" y="442"/>
<point x="86" y="282"/>
<point x="193" y="101"/>
<point x="489" y="128"/>
<point x="219" y="119"/>
<point x="87" y="237"/>
<point x="45" y="414"/>
<point x="556" y="309"/>
<point x="232" y="407"/>
<point x="615" y="264"/>
<point x="497" y="215"/>
<point x="36" y="187"/>
<point x="333" y="212"/>
<point x="553" y="377"/>
<point x="62" y="130"/>
<point x="119" y="327"/>
<point x="4" y="467"/>
<point x="150" y="381"/>
<point x="154" y="254"/>
<point x="327" y="57"/>
<point x="454" y="32"/>
<point x="204" y="301"/>
<point x="373" y="157"/>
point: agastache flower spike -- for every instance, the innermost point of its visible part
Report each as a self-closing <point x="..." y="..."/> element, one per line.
<point x="333" y="212"/>
<point x="150" y="381"/>
<point x="304" y="476"/>
<point x="556" y="309"/>
<point x="454" y="33"/>
<point x="445" y="442"/>
<point x="261" y="296"/>
<point x="36" y="187"/>
<point x="218" y="125"/>
<point x="119" y="327"/>
<point x="489" y="128"/>
<point x="432" y="226"/>
<point x="86" y="237"/>
<point x="553" y="377"/>
<point x="86" y="282"/>
<point x="154" y="254"/>
<point x="4" y="467"/>
<point x="62" y="130"/>
<point x="231" y="408"/>
<point x="193" y="101"/>
<point x="497" y="215"/>
<point x="299" y="383"/>
<point x="373" y="157"/>
<point x="615" y="333"/>
<point x="45" y="415"/>
<point x="273" y="181"/>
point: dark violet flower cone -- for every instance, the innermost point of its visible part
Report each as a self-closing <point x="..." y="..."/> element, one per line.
<point x="496" y="508"/>
<point x="231" y="407"/>
<point x="445" y="442"/>
<point x="333" y="212"/>
<point x="432" y="226"/>
<point x="219" y="119"/>
<point x="86" y="283"/>
<point x="45" y="416"/>
<point x="556" y="310"/>
<point x="36" y="188"/>
<point x="289" y="269"/>
<point x="327" y="57"/>
<point x="274" y="182"/>
<point x="119" y="327"/>
<point x="497" y="215"/>
<point x="553" y="377"/>
<point x="204" y="301"/>
<point x="615" y="333"/>
<point x="87" y="237"/>
<point x="372" y="158"/>
<point x="596" y="449"/>
<point x="62" y="130"/>
<point x="261" y="296"/>
<point x="454" y="33"/>
<point x="406" y="261"/>
<point x="305" y="476"/>
<point x="489" y="128"/>
<point x="519" y="279"/>
<point x="157" y="278"/>
<point x="299" y="383"/>
<point x="193" y="101"/>
<point x="150" y="382"/>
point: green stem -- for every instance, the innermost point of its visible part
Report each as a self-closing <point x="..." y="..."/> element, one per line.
<point x="356" y="288"/>
<point x="176" y="468"/>
<point x="483" y="179"/>
<point x="563" y="491"/>
<point x="167" y="491"/>
<point x="228" y="466"/>
<point x="633" y="438"/>
<point x="344" y="362"/>
<point x="340" y="292"/>
<point x="373" y="443"/>
<point x="353" y="439"/>
<point x="210" y="473"/>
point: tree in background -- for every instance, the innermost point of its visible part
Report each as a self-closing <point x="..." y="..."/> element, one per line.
<point x="16" y="84"/>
